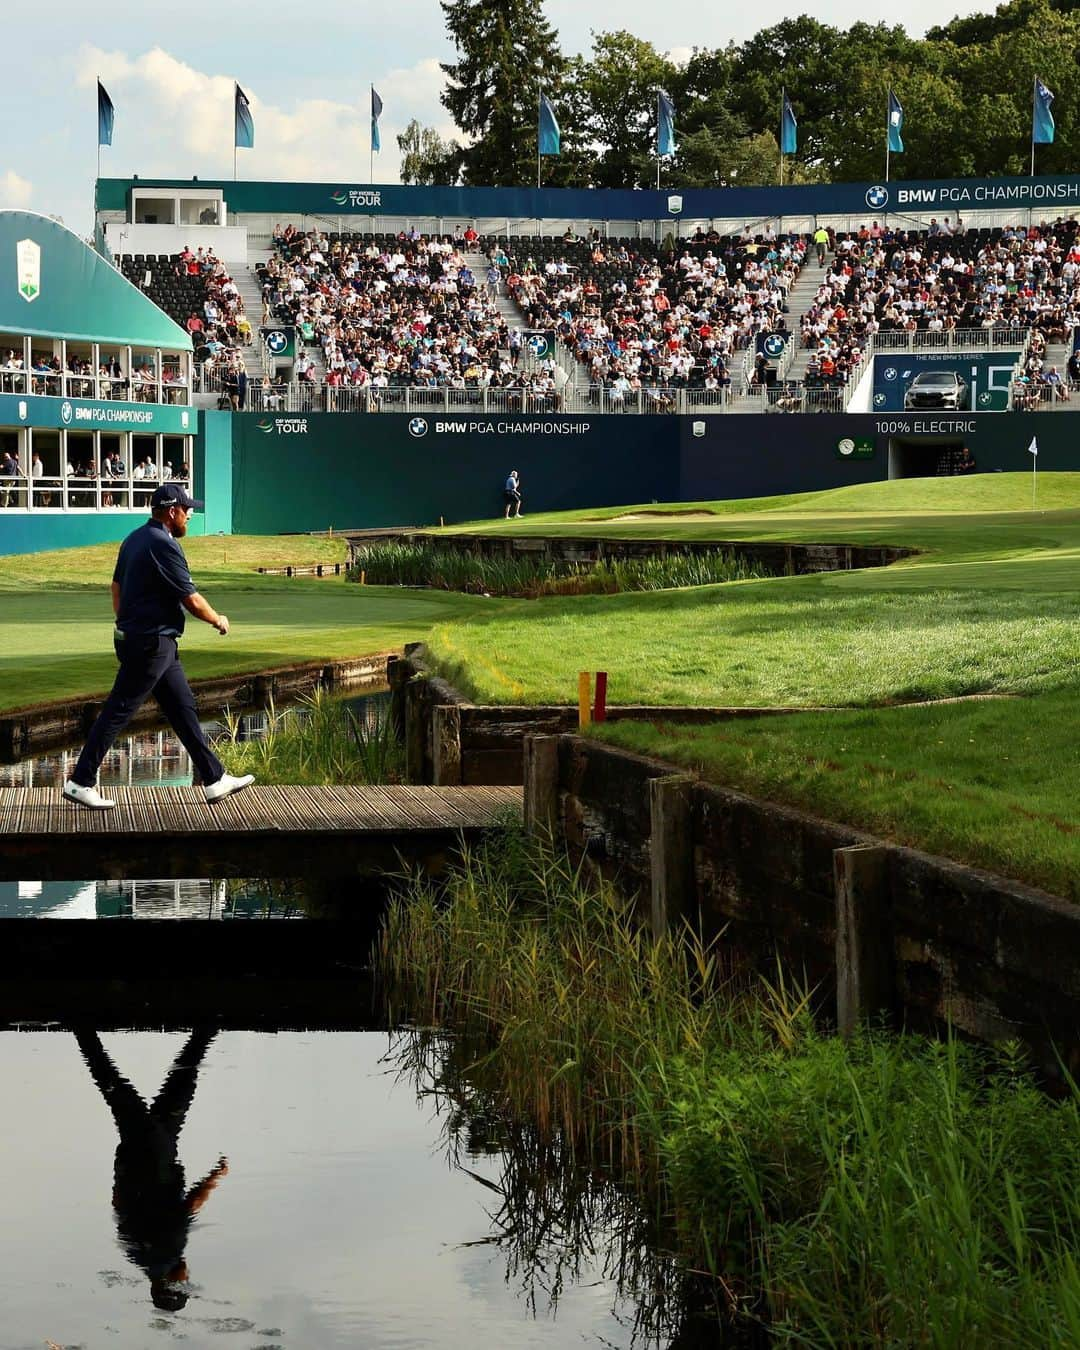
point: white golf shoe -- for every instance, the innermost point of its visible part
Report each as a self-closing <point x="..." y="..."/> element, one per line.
<point x="226" y="785"/>
<point x="86" y="796"/>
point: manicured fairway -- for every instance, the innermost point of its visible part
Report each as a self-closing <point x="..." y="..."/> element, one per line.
<point x="56" y="616"/>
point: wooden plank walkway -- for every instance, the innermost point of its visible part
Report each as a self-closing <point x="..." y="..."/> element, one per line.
<point x="165" y="832"/>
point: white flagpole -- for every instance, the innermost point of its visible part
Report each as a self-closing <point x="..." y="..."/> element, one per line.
<point x="1034" y="478"/>
<point x="887" y="112"/>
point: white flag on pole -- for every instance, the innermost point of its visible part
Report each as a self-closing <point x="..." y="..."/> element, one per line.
<point x="1033" y="448"/>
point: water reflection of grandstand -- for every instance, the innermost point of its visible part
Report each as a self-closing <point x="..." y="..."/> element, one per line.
<point x="193" y="898"/>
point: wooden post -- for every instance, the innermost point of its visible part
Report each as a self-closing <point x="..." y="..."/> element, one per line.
<point x="415" y="731"/>
<point x="672" y="850"/>
<point x="865" y="978"/>
<point x="541" y="776"/>
<point x="446" y="745"/>
<point x="398" y="672"/>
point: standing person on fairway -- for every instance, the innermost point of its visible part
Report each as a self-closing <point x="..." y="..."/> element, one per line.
<point x="151" y="589"/>
<point x="512" y="493"/>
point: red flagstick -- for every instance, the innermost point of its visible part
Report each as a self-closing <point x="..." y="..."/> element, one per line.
<point x="600" y="707"/>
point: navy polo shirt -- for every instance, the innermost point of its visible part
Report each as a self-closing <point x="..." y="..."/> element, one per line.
<point x="153" y="577"/>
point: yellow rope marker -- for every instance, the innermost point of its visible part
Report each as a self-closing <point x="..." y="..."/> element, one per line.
<point x="584" y="697"/>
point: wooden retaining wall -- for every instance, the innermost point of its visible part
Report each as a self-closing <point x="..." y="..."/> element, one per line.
<point x="47" y="725"/>
<point x="871" y="927"/>
<point x="776" y="558"/>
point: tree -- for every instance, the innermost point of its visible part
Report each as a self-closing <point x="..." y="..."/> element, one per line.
<point x="426" y="158"/>
<point x="618" y="85"/>
<point x="507" y="52"/>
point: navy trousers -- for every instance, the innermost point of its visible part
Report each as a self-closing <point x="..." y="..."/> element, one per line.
<point x="148" y="665"/>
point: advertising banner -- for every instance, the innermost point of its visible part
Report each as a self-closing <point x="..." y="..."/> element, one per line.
<point x="280" y="342"/>
<point x="943" y="197"/>
<point x="84" y="414"/>
<point x="943" y="382"/>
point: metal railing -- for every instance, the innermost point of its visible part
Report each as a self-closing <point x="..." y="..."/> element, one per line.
<point x="959" y="339"/>
<point x="1057" y="397"/>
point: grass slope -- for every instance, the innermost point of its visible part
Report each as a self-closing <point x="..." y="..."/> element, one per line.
<point x="988" y="606"/>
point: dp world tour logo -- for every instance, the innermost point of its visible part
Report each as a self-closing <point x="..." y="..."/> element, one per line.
<point x="340" y="197"/>
<point x="276" y="342"/>
<point x="65" y="412"/>
<point x="418" y="427"/>
<point x="877" y="197"/>
<point x="265" y="427"/>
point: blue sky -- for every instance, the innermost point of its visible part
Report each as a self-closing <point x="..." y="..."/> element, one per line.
<point x="306" y="68"/>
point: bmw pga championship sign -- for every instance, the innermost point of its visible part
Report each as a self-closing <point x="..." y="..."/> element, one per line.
<point x="1048" y="196"/>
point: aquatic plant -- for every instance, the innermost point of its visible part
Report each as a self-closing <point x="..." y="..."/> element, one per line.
<point x="529" y="577"/>
<point x="323" y="740"/>
<point x="888" y="1190"/>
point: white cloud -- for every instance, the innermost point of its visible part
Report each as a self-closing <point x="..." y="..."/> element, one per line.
<point x="15" y="190"/>
<point x="175" y="106"/>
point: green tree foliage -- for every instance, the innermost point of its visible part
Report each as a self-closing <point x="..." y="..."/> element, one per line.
<point x="966" y="89"/>
<point x="507" y="52"/>
<point x="616" y="89"/>
<point x="427" y="159"/>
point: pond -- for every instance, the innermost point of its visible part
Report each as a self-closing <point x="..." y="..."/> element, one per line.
<point x="305" y="1189"/>
<point x="287" y="1190"/>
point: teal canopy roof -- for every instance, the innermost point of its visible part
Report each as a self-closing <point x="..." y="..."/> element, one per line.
<point x="67" y="290"/>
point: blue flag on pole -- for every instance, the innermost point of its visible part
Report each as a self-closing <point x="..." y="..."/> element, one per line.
<point x="105" y="116"/>
<point x="1042" y="119"/>
<point x="548" y="128"/>
<point x="896" y="123"/>
<point x="789" y="126"/>
<point x="244" y="137"/>
<point x="376" y="113"/>
<point x="665" y="124"/>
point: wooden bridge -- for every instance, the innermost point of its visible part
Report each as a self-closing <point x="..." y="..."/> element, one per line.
<point x="263" y="831"/>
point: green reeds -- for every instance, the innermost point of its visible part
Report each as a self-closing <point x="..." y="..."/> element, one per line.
<point x="396" y="564"/>
<point x="887" y="1191"/>
<point x="322" y="741"/>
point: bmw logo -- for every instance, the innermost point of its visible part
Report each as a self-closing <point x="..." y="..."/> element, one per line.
<point x="890" y="372"/>
<point x="65" y="412"/>
<point x="277" y="341"/>
<point x="418" y="427"/>
<point x="880" y="400"/>
<point x="877" y="197"/>
<point x="773" y="345"/>
<point x="985" y="399"/>
<point x="539" y="344"/>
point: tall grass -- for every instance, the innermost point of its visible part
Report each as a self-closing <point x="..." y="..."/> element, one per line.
<point x="396" y="564"/>
<point x="323" y="741"/>
<point x="888" y="1191"/>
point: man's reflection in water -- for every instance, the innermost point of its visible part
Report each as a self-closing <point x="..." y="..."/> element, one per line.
<point x="153" y="1211"/>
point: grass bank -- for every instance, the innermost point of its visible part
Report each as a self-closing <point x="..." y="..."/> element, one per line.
<point x="989" y="783"/>
<point x="890" y="1191"/>
<point x="56" y="616"/>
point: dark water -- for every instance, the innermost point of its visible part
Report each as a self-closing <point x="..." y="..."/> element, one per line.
<point x="339" y="1211"/>
<point x="305" y="1190"/>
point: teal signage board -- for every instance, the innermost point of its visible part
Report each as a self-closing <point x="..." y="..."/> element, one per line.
<point x="943" y="197"/>
<point x="904" y="381"/>
<point x="84" y="414"/>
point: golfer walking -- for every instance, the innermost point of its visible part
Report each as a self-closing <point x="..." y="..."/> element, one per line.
<point x="151" y="589"/>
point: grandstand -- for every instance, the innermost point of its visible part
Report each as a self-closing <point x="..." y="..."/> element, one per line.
<point x="389" y="353"/>
<point x="571" y="316"/>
